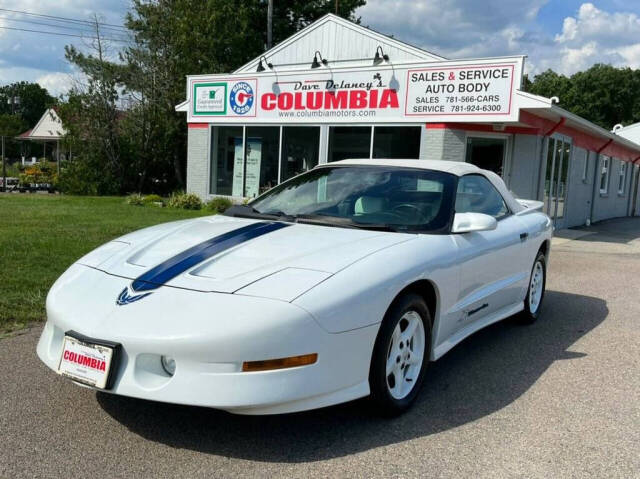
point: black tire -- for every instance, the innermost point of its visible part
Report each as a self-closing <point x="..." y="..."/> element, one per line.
<point x="382" y="401"/>
<point x="527" y="316"/>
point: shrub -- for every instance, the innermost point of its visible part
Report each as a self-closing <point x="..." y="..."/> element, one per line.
<point x="219" y="205"/>
<point x="40" y="173"/>
<point x="186" y="201"/>
<point x="80" y="177"/>
<point x="135" y="199"/>
<point x="149" y="199"/>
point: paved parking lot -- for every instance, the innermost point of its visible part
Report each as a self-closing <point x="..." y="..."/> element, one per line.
<point x="560" y="398"/>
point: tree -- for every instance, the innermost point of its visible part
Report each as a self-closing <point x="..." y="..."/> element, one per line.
<point x="34" y="101"/>
<point x="289" y="16"/>
<point x="91" y="118"/>
<point x="603" y="94"/>
<point x="144" y="148"/>
<point x="10" y="126"/>
<point x="174" y="38"/>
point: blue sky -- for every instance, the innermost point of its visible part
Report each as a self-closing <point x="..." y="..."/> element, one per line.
<point x="566" y="35"/>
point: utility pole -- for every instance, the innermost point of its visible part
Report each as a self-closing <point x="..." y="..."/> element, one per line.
<point x="13" y="101"/>
<point x="4" y="168"/>
<point x="336" y="7"/>
<point x="269" y="24"/>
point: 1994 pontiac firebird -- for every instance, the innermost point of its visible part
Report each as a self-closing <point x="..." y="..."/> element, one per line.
<point x="343" y="282"/>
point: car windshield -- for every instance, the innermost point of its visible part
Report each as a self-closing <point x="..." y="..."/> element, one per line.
<point x="372" y="197"/>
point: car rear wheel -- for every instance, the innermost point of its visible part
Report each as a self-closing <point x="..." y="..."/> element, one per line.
<point x="535" y="292"/>
<point x="400" y="355"/>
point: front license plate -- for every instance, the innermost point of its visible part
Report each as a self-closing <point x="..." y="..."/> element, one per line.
<point x="86" y="362"/>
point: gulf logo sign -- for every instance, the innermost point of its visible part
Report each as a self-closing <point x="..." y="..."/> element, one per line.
<point x="241" y="98"/>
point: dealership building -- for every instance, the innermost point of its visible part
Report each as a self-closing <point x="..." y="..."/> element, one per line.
<point x="337" y="90"/>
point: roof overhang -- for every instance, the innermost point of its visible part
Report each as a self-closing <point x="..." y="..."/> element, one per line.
<point x="38" y="138"/>
<point x="542" y="113"/>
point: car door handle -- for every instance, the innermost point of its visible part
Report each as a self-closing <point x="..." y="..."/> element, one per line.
<point x="524" y="236"/>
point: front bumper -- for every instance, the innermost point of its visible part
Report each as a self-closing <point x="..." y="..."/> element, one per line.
<point x="209" y="335"/>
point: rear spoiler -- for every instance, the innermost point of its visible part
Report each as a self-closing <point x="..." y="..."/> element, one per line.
<point x="530" y="206"/>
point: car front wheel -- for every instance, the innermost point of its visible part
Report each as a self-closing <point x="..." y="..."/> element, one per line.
<point x="401" y="355"/>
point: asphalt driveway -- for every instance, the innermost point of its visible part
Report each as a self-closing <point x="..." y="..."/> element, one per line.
<point x="560" y="398"/>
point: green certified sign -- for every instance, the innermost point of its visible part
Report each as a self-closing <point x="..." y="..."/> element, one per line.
<point x="210" y="98"/>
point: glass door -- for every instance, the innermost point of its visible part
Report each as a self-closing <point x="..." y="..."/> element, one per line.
<point x="487" y="153"/>
<point x="556" y="177"/>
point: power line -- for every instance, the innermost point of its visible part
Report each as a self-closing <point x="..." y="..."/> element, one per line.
<point x="65" y="19"/>
<point x="65" y="34"/>
<point x="65" y="27"/>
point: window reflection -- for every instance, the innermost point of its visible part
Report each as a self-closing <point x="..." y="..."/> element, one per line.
<point x="349" y="142"/>
<point x="226" y="161"/>
<point x="300" y="150"/>
<point x="261" y="159"/>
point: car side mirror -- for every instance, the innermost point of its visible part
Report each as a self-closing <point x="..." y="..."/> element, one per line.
<point x="468" y="222"/>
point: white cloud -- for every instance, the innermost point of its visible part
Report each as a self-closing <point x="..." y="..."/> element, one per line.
<point x="56" y="83"/>
<point x="593" y="24"/>
<point x="469" y="28"/>
<point x="32" y="56"/>
<point x="454" y="28"/>
<point x="596" y="36"/>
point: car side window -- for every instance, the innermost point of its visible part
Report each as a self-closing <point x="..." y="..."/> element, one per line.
<point x="476" y="194"/>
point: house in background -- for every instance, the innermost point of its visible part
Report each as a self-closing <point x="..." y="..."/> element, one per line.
<point x="48" y="131"/>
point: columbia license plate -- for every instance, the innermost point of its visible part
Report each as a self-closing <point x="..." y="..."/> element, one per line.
<point x="87" y="362"/>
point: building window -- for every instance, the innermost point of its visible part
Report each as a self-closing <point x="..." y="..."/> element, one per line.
<point x="349" y="142"/>
<point x="585" y="166"/>
<point x="300" y="150"/>
<point x="396" y="142"/>
<point x="247" y="160"/>
<point x="261" y="171"/>
<point x="391" y="142"/>
<point x="556" y="176"/>
<point x="227" y="166"/>
<point x="622" y="178"/>
<point x="604" y="175"/>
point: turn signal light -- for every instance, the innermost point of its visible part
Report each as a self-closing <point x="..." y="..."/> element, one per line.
<point x="281" y="363"/>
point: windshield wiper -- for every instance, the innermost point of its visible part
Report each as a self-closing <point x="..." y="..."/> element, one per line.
<point x="342" y="222"/>
<point x="247" y="211"/>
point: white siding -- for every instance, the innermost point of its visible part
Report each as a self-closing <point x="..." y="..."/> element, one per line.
<point x="49" y="126"/>
<point x="338" y="39"/>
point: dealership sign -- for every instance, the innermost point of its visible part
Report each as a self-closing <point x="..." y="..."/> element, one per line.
<point x="480" y="90"/>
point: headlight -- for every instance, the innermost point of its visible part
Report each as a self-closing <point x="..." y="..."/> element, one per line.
<point x="168" y="364"/>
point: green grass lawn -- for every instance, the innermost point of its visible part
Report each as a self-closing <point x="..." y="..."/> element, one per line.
<point x="42" y="235"/>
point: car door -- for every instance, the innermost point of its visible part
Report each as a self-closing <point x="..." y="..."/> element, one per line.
<point x="491" y="263"/>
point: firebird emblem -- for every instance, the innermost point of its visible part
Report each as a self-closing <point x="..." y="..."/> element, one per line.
<point x="125" y="298"/>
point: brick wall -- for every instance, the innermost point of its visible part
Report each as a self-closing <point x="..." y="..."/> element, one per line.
<point x="442" y="144"/>
<point x="197" y="162"/>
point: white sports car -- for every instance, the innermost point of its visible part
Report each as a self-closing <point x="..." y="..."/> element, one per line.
<point x="343" y="282"/>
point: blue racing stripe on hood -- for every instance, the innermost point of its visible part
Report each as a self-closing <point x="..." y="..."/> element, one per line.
<point x="169" y="269"/>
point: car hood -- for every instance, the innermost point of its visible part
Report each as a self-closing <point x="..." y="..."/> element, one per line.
<point x="278" y="260"/>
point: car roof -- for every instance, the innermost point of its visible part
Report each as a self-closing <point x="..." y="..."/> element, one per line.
<point x="457" y="168"/>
